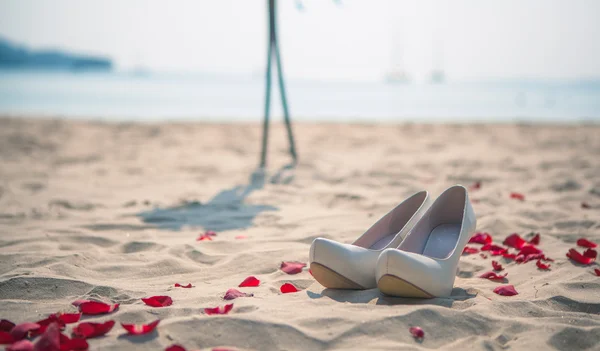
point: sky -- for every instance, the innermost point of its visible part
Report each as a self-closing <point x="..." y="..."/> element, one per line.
<point x="324" y="39"/>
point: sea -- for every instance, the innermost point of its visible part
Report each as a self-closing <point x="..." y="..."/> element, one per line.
<point x="145" y="96"/>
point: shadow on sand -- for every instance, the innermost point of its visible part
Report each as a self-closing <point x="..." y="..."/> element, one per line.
<point x="225" y="211"/>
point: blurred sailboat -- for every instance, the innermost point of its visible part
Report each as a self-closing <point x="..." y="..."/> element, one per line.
<point x="396" y="74"/>
<point x="437" y="75"/>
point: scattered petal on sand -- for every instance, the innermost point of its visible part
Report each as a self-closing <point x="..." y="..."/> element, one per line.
<point x="482" y="255"/>
<point x="251" y="281"/>
<point x="586" y="243"/>
<point x="175" y="347"/>
<point x="475" y="186"/>
<point x="6" y="338"/>
<point x="481" y="238"/>
<point x="510" y="256"/>
<point x="497" y="266"/>
<point x="88" y="330"/>
<point x="21" y="331"/>
<point x="517" y="196"/>
<point x="535" y="240"/>
<point x="541" y="265"/>
<point x="6" y="325"/>
<point x="23" y="345"/>
<point x="158" y="301"/>
<point x="470" y="250"/>
<point x="140" y="329"/>
<point x="292" y="267"/>
<point x="219" y="309"/>
<point x="514" y="240"/>
<point x="204" y="237"/>
<point x="579" y="258"/>
<point x="585" y="205"/>
<point x="234" y="294"/>
<point x="417" y="332"/>
<point x="241" y="237"/>
<point x="75" y="344"/>
<point x="493" y="276"/>
<point x="597" y="271"/>
<point x="177" y="285"/>
<point x="506" y="290"/>
<point x="494" y="249"/>
<point x="590" y="253"/>
<point x="49" y="340"/>
<point x="288" y="288"/>
<point x="95" y="307"/>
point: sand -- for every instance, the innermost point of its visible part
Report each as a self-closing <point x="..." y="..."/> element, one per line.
<point x="112" y="212"/>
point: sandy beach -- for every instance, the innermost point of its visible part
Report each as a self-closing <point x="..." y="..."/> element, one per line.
<point x="112" y="212"/>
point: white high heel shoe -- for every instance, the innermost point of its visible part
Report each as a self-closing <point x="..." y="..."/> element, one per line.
<point x="352" y="266"/>
<point x="424" y="264"/>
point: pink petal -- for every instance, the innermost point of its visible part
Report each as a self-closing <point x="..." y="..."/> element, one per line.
<point x="497" y="266"/>
<point x="586" y="243"/>
<point x="475" y="186"/>
<point x="292" y="267"/>
<point x="158" y="301"/>
<point x="514" y="240"/>
<point x="481" y="238"/>
<point x="470" y="250"/>
<point x="204" y="237"/>
<point x="234" y="294"/>
<point x="50" y="340"/>
<point x="535" y="240"/>
<point x="249" y="282"/>
<point x="140" y="329"/>
<point x="579" y="258"/>
<point x="494" y="250"/>
<point x="21" y="331"/>
<point x="506" y="290"/>
<point x="241" y="237"/>
<point x="517" y="196"/>
<point x="95" y="307"/>
<point x="88" y="330"/>
<point x="177" y="285"/>
<point x="219" y="309"/>
<point x="288" y="288"/>
<point x="23" y="345"/>
<point x="541" y="265"/>
<point x="417" y="332"/>
<point x="493" y="276"/>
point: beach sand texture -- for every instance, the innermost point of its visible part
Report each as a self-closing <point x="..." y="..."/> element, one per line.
<point x="112" y="212"/>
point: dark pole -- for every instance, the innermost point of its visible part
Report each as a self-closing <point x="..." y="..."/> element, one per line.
<point x="274" y="49"/>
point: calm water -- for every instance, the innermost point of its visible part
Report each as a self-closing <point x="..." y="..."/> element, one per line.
<point x="119" y="96"/>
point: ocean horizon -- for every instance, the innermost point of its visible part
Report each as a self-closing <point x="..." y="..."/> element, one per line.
<point x="148" y="96"/>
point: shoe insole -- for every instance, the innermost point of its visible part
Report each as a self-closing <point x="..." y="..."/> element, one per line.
<point x="442" y="240"/>
<point x="383" y="242"/>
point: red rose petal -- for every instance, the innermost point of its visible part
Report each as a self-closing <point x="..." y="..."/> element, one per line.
<point x="529" y="250"/>
<point x="21" y="331"/>
<point x="288" y="288"/>
<point x="241" y="237"/>
<point x="23" y="345"/>
<point x="506" y="290"/>
<point x="292" y="267"/>
<point x="417" y="332"/>
<point x="597" y="271"/>
<point x="249" y="282"/>
<point x="95" y="307"/>
<point x="590" y="253"/>
<point x="6" y="338"/>
<point x="493" y="276"/>
<point x="6" y="325"/>
<point x="177" y="285"/>
<point x="175" y="347"/>
<point x="514" y="240"/>
<point x="158" y="301"/>
<point x="497" y="266"/>
<point x="541" y="265"/>
<point x="204" y="237"/>
<point x="517" y="196"/>
<point x="50" y="340"/>
<point x="535" y="240"/>
<point x="475" y="186"/>
<point x="586" y="243"/>
<point x="88" y="330"/>
<point x="481" y="238"/>
<point x="470" y="250"/>
<point x="494" y="250"/>
<point x="579" y="258"/>
<point x="76" y="303"/>
<point x="68" y="344"/>
<point x="219" y="309"/>
<point x="508" y="255"/>
<point x="140" y="329"/>
<point x="234" y="294"/>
